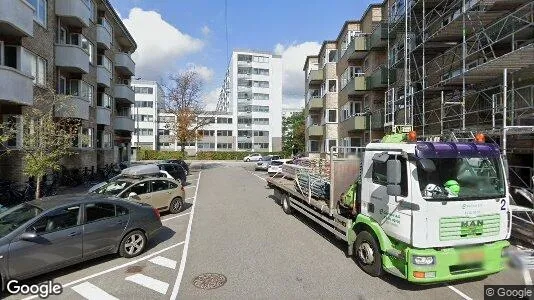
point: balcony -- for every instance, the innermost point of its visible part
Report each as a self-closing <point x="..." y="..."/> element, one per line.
<point x="124" y="64"/>
<point x="357" y="49"/>
<point x="123" y="123"/>
<point x="103" y="37"/>
<point x="103" y="116"/>
<point x="379" y="79"/>
<point x="72" y="58"/>
<point x="315" y="77"/>
<point x="354" y="123"/>
<point x="357" y="85"/>
<point x="73" y="12"/>
<point x="315" y="131"/>
<point x="316" y="103"/>
<point x="74" y="107"/>
<point x="15" y="86"/>
<point x="124" y="92"/>
<point x="103" y="76"/>
<point x="379" y="37"/>
<point x="16" y="18"/>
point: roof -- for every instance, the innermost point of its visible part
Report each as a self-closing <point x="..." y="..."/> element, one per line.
<point x="323" y="46"/>
<point x="54" y="201"/>
<point x="252" y="51"/>
<point x="347" y="23"/>
<point x="121" y="24"/>
<point x="306" y="62"/>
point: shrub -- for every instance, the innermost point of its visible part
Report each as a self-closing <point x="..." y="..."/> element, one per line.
<point x="146" y="154"/>
<point x="227" y="155"/>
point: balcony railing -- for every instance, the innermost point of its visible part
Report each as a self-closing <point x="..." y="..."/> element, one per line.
<point x="16" y="17"/>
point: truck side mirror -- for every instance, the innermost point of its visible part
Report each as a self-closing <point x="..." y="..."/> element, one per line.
<point x="427" y="165"/>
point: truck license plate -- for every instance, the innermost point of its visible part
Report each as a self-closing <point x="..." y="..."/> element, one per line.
<point x="472" y="256"/>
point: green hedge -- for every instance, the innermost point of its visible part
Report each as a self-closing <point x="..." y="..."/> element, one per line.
<point x="146" y="154"/>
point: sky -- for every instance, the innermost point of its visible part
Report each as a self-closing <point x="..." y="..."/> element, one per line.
<point x="178" y="35"/>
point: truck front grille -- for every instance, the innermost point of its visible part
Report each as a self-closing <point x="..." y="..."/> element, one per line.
<point x="457" y="228"/>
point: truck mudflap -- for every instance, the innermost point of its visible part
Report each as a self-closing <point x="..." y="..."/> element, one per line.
<point x="430" y="265"/>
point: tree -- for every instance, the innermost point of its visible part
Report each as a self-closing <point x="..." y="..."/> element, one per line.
<point x="46" y="139"/>
<point x="293" y="130"/>
<point x="183" y="101"/>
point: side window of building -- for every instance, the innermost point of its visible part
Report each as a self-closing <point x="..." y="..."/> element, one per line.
<point x="379" y="174"/>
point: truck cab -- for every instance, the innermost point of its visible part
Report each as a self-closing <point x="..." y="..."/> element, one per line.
<point x="439" y="210"/>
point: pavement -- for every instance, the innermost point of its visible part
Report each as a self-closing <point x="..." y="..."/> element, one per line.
<point x="234" y="228"/>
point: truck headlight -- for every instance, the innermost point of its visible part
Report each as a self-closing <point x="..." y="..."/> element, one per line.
<point x="424" y="260"/>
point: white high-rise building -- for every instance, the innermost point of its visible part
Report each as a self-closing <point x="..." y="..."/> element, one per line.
<point x="252" y="94"/>
<point x="149" y="100"/>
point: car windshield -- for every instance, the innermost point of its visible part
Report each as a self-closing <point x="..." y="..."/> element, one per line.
<point x="16" y="216"/>
<point x="267" y="158"/>
<point x="113" y="188"/>
<point x="462" y="178"/>
<point x="276" y="163"/>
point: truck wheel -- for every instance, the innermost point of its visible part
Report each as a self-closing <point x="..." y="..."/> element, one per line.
<point x="367" y="254"/>
<point x="286" y="204"/>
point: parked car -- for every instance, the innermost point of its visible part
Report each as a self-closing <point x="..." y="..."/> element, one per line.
<point x="43" y="235"/>
<point x="265" y="162"/>
<point x="135" y="172"/>
<point x="180" y="162"/>
<point x="175" y="170"/>
<point x="276" y="165"/>
<point x="252" y="157"/>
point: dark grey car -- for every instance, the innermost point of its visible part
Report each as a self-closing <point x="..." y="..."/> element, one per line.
<point x="44" y="235"/>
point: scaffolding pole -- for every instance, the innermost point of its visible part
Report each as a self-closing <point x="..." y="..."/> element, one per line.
<point x="405" y="60"/>
<point x="493" y="112"/>
<point x="424" y="70"/>
<point x="464" y="54"/>
<point x="504" y="111"/>
<point x="441" y="117"/>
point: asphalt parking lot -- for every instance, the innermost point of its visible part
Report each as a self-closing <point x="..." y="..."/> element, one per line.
<point x="233" y="227"/>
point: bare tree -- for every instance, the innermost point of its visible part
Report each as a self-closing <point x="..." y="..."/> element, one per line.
<point x="46" y="139"/>
<point x="184" y="102"/>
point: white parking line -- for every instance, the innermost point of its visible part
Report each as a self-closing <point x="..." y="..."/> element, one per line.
<point x="164" y="262"/>
<point x="526" y="275"/>
<point x="457" y="291"/>
<point x="178" y="281"/>
<point x="190" y="186"/>
<point x="92" y="292"/>
<point x="149" y="282"/>
<point x="189" y="198"/>
<point x="133" y="262"/>
<point x="174" y="217"/>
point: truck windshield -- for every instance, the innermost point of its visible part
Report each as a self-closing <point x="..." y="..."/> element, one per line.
<point x="463" y="179"/>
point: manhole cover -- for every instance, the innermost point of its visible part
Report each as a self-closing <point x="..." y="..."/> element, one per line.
<point x="209" y="281"/>
<point x="134" y="269"/>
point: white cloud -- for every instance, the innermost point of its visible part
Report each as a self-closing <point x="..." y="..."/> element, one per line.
<point x="159" y="44"/>
<point x="206" y="30"/>
<point x="211" y="98"/>
<point x="205" y="73"/>
<point x="293" y="58"/>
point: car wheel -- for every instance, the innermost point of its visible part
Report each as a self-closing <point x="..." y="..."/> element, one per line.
<point x="176" y="205"/>
<point x="133" y="244"/>
<point x="286" y="204"/>
<point x="247" y="159"/>
<point x="367" y="254"/>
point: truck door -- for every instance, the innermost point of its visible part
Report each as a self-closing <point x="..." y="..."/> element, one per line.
<point x="392" y="212"/>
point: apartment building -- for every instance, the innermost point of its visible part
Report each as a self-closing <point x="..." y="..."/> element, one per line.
<point x="252" y="95"/>
<point x="149" y="102"/>
<point x="81" y="48"/>
<point x="345" y="85"/>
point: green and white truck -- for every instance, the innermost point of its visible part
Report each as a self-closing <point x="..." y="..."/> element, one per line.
<point x="423" y="211"/>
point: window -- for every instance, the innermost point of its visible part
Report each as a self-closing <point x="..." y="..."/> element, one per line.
<point x="314" y="146"/>
<point x="92" y="8"/>
<point x="261" y="84"/>
<point x="260" y="108"/>
<point x="224" y="132"/>
<point x="332" y="86"/>
<point x="355" y="142"/>
<point x="103" y="140"/>
<point x="257" y="71"/>
<point x="244" y="57"/>
<point x="105" y="62"/>
<point x="98" y="211"/>
<point x="40" y="13"/>
<point x="159" y="185"/>
<point x="144" y="118"/>
<point x="331" y="55"/>
<point x="206" y="145"/>
<point x="243" y="70"/>
<point x="244" y="133"/>
<point x="331" y="115"/>
<point x="81" y="89"/>
<point x="37" y="67"/>
<point x="166" y="119"/>
<point x="143" y="90"/>
<point x="164" y="132"/>
<point x="221" y="120"/>
<point x="149" y="104"/>
<point x="261" y="59"/>
<point x="104" y="100"/>
<point x="379" y="174"/>
<point x="58" y="219"/>
<point x="105" y="23"/>
<point x="144" y="132"/>
<point x="260" y="121"/>
<point x="224" y="145"/>
<point x="207" y="132"/>
<point x="259" y="96"/>
<point x="244" y="145"/>
<point x="90" y="50"/>
<point x="206" y="120"/>
<point x="87" y="137"/>
<point x="261" y="133"/>
<point x="243" y="95"/>
<point x="329" y="144"/>
<point x="138" y="189"/>
<point x="261" y="145"/>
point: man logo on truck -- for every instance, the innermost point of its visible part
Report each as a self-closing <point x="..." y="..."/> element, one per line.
<point x="471" y="227"/>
